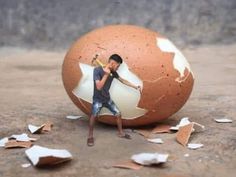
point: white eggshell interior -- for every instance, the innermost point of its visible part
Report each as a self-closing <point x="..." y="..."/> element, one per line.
<point x="179" y="61"/>
<point x="126" y="98"/>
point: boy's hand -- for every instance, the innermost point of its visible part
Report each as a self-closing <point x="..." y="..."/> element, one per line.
<point x="107" y="70"/>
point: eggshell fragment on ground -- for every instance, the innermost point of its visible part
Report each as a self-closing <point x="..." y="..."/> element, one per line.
<point x="184" y="121"/>
<point x="22" y="137"/>
<point x="40" y="156"/>
<point x="18" y="144"/>
<point x="184" y="133"/>
<point x="25" y="165"/>
<point x="194" y="146"/>
<point x="128" y="165"/>
<point x="224" y="120"/>
<point x="17" y="141"/>
<point x="3" y="141"/>
<point x="149" y="158"/>
<point x="48" y="126"/>
<point x="156" y="140"/>
<point x="73" y="117"/>
<point x="35" y="129"/>
<point x="186" y="155"/>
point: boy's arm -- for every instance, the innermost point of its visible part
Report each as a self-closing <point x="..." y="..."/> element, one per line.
<point x="100" y="83"/>
<point x="129" y="84"/>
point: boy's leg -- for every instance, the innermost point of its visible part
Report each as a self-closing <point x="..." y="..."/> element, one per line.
<point x="116" y="112"/>
<point x="121" y="133"/>
<point x="91" y="126"/>
<point x="96" y="107"/>
<point x="119" y="125"/>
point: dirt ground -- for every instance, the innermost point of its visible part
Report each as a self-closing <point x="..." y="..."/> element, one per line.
<point x="31" y="91"/>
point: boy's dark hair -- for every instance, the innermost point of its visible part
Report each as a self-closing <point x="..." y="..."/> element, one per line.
<point x="116" y="58"/>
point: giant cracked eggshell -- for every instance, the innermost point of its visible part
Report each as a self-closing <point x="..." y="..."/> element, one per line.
<point x="150" y="60"/>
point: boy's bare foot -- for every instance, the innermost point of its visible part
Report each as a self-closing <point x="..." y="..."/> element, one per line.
<point x="90" y="141"/>
<point x="124" y="135"/>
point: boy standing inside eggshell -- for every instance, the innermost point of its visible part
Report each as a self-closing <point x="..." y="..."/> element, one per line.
<point x="102" y="78"/>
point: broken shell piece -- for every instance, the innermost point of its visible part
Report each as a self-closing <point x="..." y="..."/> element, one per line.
<point x="35" y="129"/>
<point x="184" y="133"/>
<point x="186" y="155"/>
<point x="3" y="141"/>
<point x="40" y="156"/>
<point x="48" y="127"/>
<point x="22" y="137"/>
<point x="128" y="165"/>
<point x="18" y="144"/>
<point x="73" y="117"/>
<point x="150" y="158"/>
<point x="224" y="120"/>
<point x="156" y="140"/>
<point x="25" y="165"/>
<point x="184" y="121"/>
<point x="161" y="129"/>
<point x="194" y="146"/>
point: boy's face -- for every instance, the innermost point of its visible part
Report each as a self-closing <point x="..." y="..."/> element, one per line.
<point x="113" y="65"/>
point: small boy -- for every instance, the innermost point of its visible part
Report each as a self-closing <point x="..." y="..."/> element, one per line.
<point x="103" y="78"/>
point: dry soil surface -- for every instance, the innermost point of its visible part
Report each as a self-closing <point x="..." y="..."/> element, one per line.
<point x="31" y="91"/>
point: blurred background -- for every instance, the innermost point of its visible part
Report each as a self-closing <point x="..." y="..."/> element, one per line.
<point x="55" y="24"/>
<point x="34" y="38"/>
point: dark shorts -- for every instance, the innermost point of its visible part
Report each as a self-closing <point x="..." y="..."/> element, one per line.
<point x="97" y="106"/>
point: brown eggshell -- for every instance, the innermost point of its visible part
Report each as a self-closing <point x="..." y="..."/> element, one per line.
<point x="162" y="94"/>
